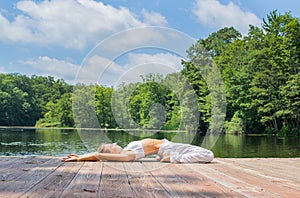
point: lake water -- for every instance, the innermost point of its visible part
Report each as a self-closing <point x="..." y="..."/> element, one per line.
<point x="59" y="142"/>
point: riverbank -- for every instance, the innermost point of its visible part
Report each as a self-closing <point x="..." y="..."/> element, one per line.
<point x="45" y="176"/>
<point x="21" y="128"/>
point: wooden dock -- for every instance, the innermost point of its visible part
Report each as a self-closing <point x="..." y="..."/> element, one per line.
<point x="225" y="177"/>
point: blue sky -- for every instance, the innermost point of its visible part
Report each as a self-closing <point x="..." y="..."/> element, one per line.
<point x="60" y="38"/>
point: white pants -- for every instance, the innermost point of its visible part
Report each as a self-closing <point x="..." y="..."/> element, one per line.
<point x="185" y="153"/>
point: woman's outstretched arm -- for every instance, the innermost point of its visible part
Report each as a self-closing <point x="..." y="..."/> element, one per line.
<point x="123" y="157"/>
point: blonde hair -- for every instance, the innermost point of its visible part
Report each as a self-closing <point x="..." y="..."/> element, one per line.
<point x="103" y="149"/>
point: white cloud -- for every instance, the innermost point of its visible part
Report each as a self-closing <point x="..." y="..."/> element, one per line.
<point x="47" y="66"/>
<point x="215" y="14"/>
<point x="136" y="38"/>
<point x="163" y="59"/>
<point x="89" y="73"/>
<point x="15" y="31"/>
<point x="140" y="64"/>
<point x="153" y="18"/>
<point x="70" y="23"/>
<point x="97" y="69"/>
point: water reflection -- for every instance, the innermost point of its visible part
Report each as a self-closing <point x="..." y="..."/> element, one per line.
<point x="59" y="142"/>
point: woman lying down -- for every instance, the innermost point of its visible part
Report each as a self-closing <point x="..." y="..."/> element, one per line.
<point x="166" y="150"/>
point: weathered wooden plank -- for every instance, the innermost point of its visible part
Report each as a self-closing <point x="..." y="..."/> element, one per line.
<point x="49" y="177"/>
<point x="18" y="185"/>
<point x="8" y="162"/>
<point x="54" y="184"/>
<point x="7" y="166"/>
<point x="282" y="179"/>
<point x="86" y="182"/>
<point x="5" y="161"/>
<point x="180" y="182"/>
<point x="267" y="183"/>
<point x="142" y="183"/>
<point x="114" y="181"/>
<point x="286" y="163"/>
<point x="204" y="185"/>
<point x="17" y="168"/>
<point x="278" y="164"/>
<point x="231" y="181"/>
<point x="286" y="168"/>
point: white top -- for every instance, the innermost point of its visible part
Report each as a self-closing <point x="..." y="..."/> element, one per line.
<point x="137" y="148"/>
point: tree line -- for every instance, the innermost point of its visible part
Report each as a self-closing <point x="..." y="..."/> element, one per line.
<point x="24" y="100"/>
<point x="260" y="73"/>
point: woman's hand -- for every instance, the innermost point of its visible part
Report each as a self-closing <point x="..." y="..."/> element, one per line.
<point x="70" y="158"/>
<point x="72" y="155"/>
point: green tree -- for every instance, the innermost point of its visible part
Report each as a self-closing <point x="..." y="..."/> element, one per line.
<point x="16" y="100"/>
<point x="103" y="101"/>
<point x="290" y="111"/>
<point x="59" y="113"/>
<point x="148" y="102"/>
<point x="84" y="106"/>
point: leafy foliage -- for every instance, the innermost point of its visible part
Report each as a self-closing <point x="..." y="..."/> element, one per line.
<point x="259" y="71"/>
<point x="23" y="100"/>
<point x="261" y="81"/>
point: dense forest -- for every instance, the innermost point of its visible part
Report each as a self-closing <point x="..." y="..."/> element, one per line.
<point x="260" y="71"/>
